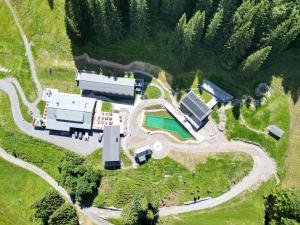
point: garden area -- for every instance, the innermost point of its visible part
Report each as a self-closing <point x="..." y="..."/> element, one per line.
<point x="172" y="182"/>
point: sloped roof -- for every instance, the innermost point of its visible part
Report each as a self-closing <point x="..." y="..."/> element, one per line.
<point x="111" y="144"/>
<point x="197" y="108"/>
<point x="106" y="84"/>
<point x="216" y="91"/>
<point x="276" y="131"/>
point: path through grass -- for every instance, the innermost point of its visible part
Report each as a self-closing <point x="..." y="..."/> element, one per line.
<point x="12" y="53"/>
<point x="172" y="182"/>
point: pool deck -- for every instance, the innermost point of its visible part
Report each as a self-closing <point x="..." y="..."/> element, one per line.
<point x="183" y="121"/>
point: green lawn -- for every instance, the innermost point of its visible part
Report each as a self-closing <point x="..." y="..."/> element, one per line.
<point x="51" y="46"/>
<point x="106" y="107"/>
<point x="270" y="113"/>
<point x="246" y="209"/>
<point x="152" y="92"/>
<point x="12" y="53"/>
<point x="173" y="182"/>
<point x="42" y="154"/>
<point x="41" y="106"/>
<point x="18" y="190"/>
<point x="280" y="116"/>
<point x="24" y="109"/>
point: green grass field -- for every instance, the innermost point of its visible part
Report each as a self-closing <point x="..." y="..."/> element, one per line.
<point x="246" y="209"/>
<point x="152" y="92"/>
<point x="18" y="190"/>
<point x="106" y="107"/>
<point x="280" y="117"/>
<point x="51" y="47"/>
<point x="173" y="182"/>
<point x="40" y="153"/>
<point x="12" y="53"/>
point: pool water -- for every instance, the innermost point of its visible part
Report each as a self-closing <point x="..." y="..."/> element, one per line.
<point x="168" y="124"/>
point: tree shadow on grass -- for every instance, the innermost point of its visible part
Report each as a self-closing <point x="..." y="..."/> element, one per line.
<point x="51" y="4"/>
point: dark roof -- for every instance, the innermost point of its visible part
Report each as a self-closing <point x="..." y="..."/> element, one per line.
<point x="111" y="144"/>
<point x="276" y="131"/>
<point x="216" y="91"/>
<point x="197" y="108"/>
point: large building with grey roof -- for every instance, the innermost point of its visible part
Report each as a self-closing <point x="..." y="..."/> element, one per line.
<point x="195" y="110"/>
<point x="107" y="85"/>
<point x="111" y="147"/>
<point x="68" y="111"/>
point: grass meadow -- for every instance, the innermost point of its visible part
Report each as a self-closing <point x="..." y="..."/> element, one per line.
<point x="173" y="182"/>
<point x="18" y="190"/>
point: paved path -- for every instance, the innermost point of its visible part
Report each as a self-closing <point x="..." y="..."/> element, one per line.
<point x="263" y="167"/>
<point x="93" y="213"/>
<point x="28" y="52"/>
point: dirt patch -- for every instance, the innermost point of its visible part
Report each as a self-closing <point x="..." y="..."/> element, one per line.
<point x="173" y="198"/>
<point x="189" y="160"/>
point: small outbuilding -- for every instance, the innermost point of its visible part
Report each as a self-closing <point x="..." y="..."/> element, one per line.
<point x="111" y="147"/>
<point x="216" y="91"/>
<point x="275" y="132"/>
<point x="142" y="154"/>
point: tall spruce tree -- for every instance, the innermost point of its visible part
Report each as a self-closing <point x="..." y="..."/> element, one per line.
<point x="111" y="22"/>
<point x="238" y="44"/>
<point x="196" y="23"/>
<point x="255" y="60"/>
<point x="139" y="17"/>
<point x="172" y="10"/>
<point x="284" y="33"/>
<point x="214" y="25"/>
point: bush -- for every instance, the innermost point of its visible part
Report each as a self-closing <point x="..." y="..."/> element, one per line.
<point x="64" y="215"/>
<point x="283" y="207"/>
<point x="45" y="207"/>
<point x="143" y="210"/>
<point x="80" y="181"/>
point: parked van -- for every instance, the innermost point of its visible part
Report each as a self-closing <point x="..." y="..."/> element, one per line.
<point x="86" y="136"/>
<point x="76" y="134"/>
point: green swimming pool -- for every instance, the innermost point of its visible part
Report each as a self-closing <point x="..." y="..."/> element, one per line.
<point x="168" y="124"/>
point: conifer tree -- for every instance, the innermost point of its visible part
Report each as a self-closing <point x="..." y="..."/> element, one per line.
<point x="214" y="25"/>
<point x="139" y="17"/>
<point x="255" y="60"/>
<point x="238" y="44"/>
<point x="284" y="33"/>
<point x="172" y="10"/>
<point x="196" y="23"/>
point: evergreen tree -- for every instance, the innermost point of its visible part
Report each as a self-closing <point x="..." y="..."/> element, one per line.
<point x="64" y="215"/>
<point x="179" y="40"/>
<point x="139" y="16"/>
<point x="172" y="10"/>
<point x="142" y="211"/>
<point x="238" y="44"/>
<point x="255" y="60"/>
<point x="196" y="24"/>
<point x="214" y="25"/>
<point x="284" y="33"/>
<point x="44" y="207"/>
<point x="111" y="22"/>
